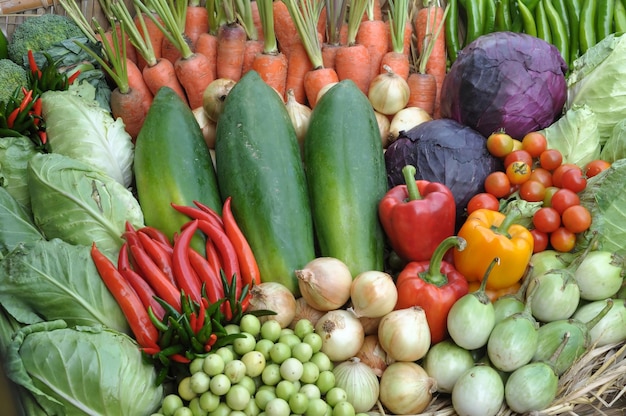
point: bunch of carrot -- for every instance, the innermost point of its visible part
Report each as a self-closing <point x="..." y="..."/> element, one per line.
<point x="298" y="45"/>
<point x="175" y="299"/>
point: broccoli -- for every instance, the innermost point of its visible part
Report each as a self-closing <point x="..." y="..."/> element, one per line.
<point x="40" y="33"/>
<point x="12" y="76"/>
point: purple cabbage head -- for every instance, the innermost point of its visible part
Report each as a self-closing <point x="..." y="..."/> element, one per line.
<point x="505" y="80"/>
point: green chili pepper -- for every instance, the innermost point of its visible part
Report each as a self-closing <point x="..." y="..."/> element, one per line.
<point x="619" y="17"/>
<point x="453" y="42"/>
<point x="561" y="8"/>
<point x="573" y="13"/>
<point x="558" y="31"/>
<point x="604" y="18"/>
<point x="531" y="4"/>
<point x="528" y="20"/>
<point x="475" y="11"/>
<point x="516" y="18"/>
<point x="490" y="16"/>
<point x="587" y="33"/>
<point x="503" y="15"/>
<point x="541" y="20"/>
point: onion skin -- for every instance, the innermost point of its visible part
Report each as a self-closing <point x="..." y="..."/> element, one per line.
<point x="214" y="96"/>
<point x="342" y="334"/>
<point x="325" y="283"/>
<point x="275" y="297"/>
<point x="373" y="294"/>
<point x="404" y="334"/>
<point x="372" y="354"/>
<point x="406" y="388"/>
<point x="359" y="382"/>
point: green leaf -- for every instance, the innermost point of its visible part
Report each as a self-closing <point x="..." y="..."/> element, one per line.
<point x="16" y="224"/>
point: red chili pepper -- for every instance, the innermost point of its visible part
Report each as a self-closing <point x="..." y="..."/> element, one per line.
<point x="196" y="213"/>
<point x="193" y="323"/>
<point x="144" y="291"/>
<point x="434" y="285"/>
<point x="178" y="358"/>
<point x="138" y="319"/>
<point x="212" y="281"/>
<point x="156" y="278"/>
<point x="201" y="315"/>
<point x="28" y="98"/>
<point x="250" y="274"/>
<point x="210" y="211"/>
<point x="212" y="256"/>
<point x="245" y="302"/>
<point x="151" y="350"/>
<point x="36" y="111"/>
<point x="184" y="274"/>
<point x="161" y="258"/>
<point x="208" y="345"/>
<point x="417" y="216"/>
<point x="123" y="261"/>
<point x="43" y="136"/>
<point x="227" y="253"/>
<point x="155" y="234"/>
<point x="227" y="311"/>
<point x="34" y="68"/>
<point x="73" y="77"/>
<point x="12" y="117"/>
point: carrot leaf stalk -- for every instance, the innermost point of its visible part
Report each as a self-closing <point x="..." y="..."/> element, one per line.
<point x="173" y="17"/>
<point x="139" y="39"/>
<point x="244" y="10"/>
<point x="431" y="36"/>
<point x="398" y="15"/>
<point x="357" y="10"/>
<point x="336" y="14"/>
<point x="305" y="15"/>
<point x="266" y="13"/>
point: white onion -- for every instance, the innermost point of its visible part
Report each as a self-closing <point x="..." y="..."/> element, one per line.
<point x="370" y="325"/>
<point x="405" y="120"/>
<point x="359" y="382"/>
<point x="214" y="95"/>
<point x="373" y="294"/>
<point x="325" y="283"/>
<point x="342" y="334"/>
<point x="406" y="388"/>
<point x="299" y="114"/>
<point x="404" y="334"/>
<point x="372" y="354"/>
<point x="275" y="297"/>
<point x="324" y="90"/>
<point x="305" y="311"/>
<point x="388" y="92"/>
<point x="208" y="127"/>
<point x="383" y="128"/>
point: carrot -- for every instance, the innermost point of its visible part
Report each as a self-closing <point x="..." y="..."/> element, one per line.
<point x="374" y="35"/>
<point x="422" y="91"/>
<point x="251" y="50"/>
<point x="317" y="79"/>
<point x="429" y="22"/>
<point x="152" y="32"/>
<point x="193" y="70"/>
<point x="286" y="32"/>
<point x="329" y="54"/>
<point x="353" y="60"/>
<point x="231" y="44"/>
<point x="397" y="58"/>
<point x="256" y="19"/>
<point x="270" y="64"/>
<point x="298" y="65"/>
<point x="157" y="72"/>
<point x="196" y="21"/>
<point x="207" y="46"/>
<point x="137" y="83"/>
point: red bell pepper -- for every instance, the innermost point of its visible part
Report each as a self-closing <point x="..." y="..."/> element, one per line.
<point x="434" y="286"/>
<point x="417" y="216"/>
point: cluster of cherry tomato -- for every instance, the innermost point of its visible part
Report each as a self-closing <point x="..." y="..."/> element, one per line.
<point x="538" y="174"/>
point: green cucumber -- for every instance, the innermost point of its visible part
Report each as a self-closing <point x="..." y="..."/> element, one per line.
<point x="173" y="165"/>
<point x="346" y="177"/>
<point x="258" y="164"/>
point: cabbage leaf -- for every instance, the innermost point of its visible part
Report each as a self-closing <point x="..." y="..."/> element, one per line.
<point x="57" y="280"/>
<point x="598" y="80"/>
<point x="72" y="201"/>
<point x="605" y="197"/>
<point x="615" y="146"/>
<point x="16" y="224"/>
<point x="80" y="128"/>
<point x="575" y="135"/>
<point x="83" y="370"/>
<point x="15" y="152"/>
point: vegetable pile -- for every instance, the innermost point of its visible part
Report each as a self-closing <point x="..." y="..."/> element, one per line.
<point x="260" y="208"/>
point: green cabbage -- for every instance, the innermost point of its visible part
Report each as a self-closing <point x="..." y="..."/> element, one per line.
<point x="83" y="371"/>
<point x="72" y="201"/>
<point x="615" y="146"/>
<point x="575" y="135"/>
<point x="598" y="80"/>
<point x="80" y="128"/>
<point x="15" y="152"/>
<point x="605" y="197"/>
<point x="47" y="280"/>
<point x="16" y="224"/>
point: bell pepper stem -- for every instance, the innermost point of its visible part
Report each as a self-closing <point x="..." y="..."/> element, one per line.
<point x="433" y="275"/>
<point x="411" y="186"/>
<point x="508" y="220"/>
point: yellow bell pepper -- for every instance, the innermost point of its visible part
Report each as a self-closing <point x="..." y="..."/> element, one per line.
<point x="492" y="234"/>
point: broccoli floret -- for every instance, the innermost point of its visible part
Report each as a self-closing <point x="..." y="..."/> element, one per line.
<point x="40" y="33"/>
<point x="12" y="76"/>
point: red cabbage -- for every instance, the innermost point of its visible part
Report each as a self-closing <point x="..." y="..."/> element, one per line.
<point x="505" y="80"/>
<point x="443" y="151"/>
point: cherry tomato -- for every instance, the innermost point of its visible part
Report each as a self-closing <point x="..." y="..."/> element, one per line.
<point x="596" y="166"/>
<point x="518" y="155"/>
<point x="540" y="240"/>
<point x="541" y="175"/>
<point x="483" y="200"/>
<point x="574" y="180"/>
<point x="534" y="143"/>
<point x="532" y="191"/>
<point x="546" y="219"/>
<point x="518" y="172"/>
<point x="562" y="240"/>
<point x="550" y="159"/>
<point x="499" y="144"/>
<point x="576" y="219"/>
<point x="557" y="174"/>
<point x="563" y="199"/>
<point x="497" y="184"/>
<point x="517" y="144"/>
<point x="547" y="199"/>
